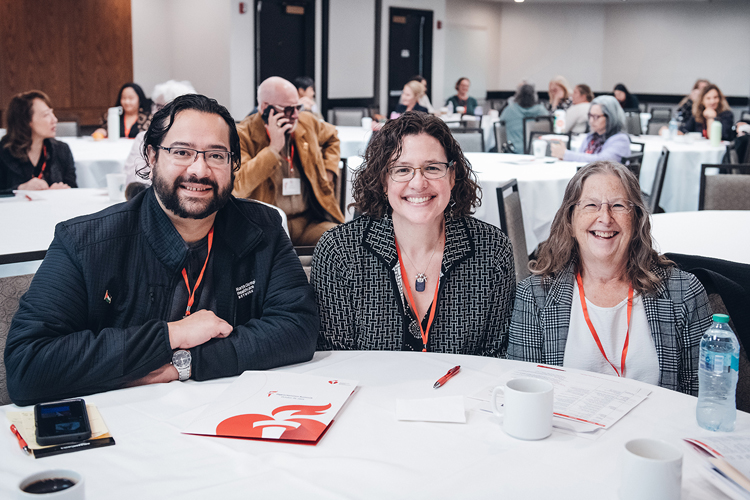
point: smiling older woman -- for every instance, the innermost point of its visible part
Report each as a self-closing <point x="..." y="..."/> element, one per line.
<point x="415" y="272"/>
<point x="601" y="298"/>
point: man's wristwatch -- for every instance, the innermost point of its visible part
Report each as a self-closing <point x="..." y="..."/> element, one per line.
<point x="181" y="360"/>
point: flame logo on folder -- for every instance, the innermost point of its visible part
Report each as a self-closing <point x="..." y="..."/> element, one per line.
<point x="294" y="422"/>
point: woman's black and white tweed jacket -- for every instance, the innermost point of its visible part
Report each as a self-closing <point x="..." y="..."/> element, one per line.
<point x="678" y="314"/>
<point x="356" y="275"/>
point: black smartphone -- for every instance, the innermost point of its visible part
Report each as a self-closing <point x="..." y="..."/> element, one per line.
<point x="266" y="112"/>
<point x="61" y="422"/>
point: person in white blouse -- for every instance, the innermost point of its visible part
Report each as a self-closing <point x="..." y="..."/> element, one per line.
<point x="601" y="298"/>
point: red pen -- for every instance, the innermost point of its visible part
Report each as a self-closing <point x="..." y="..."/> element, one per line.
<point x="21" y="442"/>
<point x="442" y="380"/>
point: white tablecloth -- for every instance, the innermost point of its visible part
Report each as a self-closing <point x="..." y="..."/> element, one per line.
<point x="541" y="187"/>
<point x="94" y="159"/>
<point x="720" y="234"/>
<point x="367" y="453"/>
<point x="353" y="140"/>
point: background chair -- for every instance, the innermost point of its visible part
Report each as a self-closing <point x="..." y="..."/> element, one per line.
<point x="501" y="138"/>
<point x="728" y="287"/>
<point x="633" y="162"/>
<point x="725" y="191"/>
<point x="637" y="146"/>
<point x="661" y="114"/>
<point x="471" y="140"/>
<point x="535" y="124"/>
<point x="67" y="129"/>
<point x="11" y="289"/>
<point x="633" y="123"/>
<point x="745" y="116"/>
<point x="511" y="223"/>
<point x="348" y="117"/>
<point x="340" y="188"/>
<point x="652" y="200"/>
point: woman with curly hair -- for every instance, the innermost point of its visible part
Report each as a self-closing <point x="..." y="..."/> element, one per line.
<point x="601" y="298"/>
<point x="415" y="272"/>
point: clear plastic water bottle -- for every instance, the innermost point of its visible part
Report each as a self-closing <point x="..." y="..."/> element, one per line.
<point x="674" y="125"/>
<point x="717" y="375"/>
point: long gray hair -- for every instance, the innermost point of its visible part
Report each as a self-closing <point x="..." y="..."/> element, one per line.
<point x="562" y="248"/>
<point x="614" y="113"/>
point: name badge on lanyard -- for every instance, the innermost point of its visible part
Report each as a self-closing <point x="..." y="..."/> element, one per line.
<point x="291" y="187"/>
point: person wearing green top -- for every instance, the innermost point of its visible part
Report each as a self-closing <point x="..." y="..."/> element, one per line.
<point x="462" y="98"/>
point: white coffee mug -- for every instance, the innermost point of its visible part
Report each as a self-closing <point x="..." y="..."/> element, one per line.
<point x="528" y="408"/>
<point x="540" y="148"/>
<point x="75" y="492"/>
<point x="116" y="187"/>
<point x="651" y="470"/>
<point x="367" y="123"/>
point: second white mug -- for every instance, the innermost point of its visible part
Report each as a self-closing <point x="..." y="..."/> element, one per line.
<point x="528" y="408"/>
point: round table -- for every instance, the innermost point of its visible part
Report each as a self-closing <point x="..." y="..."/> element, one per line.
<point x="353" y="140"/>
<point x="720" y="234"/>
<point x="95" y="159"/>
<point x="367" y="452"/>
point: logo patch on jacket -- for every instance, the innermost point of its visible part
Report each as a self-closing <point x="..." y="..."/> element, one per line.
<point x="245" y="290"/>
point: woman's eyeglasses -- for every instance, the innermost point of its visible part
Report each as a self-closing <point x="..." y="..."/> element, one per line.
<point x="402" y="173"/>
<point x="590" y="206"/>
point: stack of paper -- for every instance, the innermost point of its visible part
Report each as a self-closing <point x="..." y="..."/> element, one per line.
<point x="726" y="463"/>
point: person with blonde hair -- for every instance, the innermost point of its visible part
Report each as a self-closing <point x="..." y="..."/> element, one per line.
<point x="410" y="96"/>
<point x="601" y="298"/>
<point x="559" y="94"/>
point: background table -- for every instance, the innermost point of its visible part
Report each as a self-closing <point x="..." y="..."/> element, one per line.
<point x="367" y="453"/>
<point x="541" y="185"/>
<point x="94" y="159"/>
<point x="353" y="140"/>
<point x="721" y="234"/>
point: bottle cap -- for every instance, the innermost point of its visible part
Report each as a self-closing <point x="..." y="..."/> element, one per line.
<point x="721" y="318"/>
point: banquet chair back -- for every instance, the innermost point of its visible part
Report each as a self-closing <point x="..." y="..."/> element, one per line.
<point x="100" y="169"/>
<point x="348" y="117"/>
<point x="727" y="285"/>
<point x="655" y="126"/>
<point x="340" y="188"/>
<point x="66" y="129"/>
<point x="725" y="191"/>
<point x="11" y="290"/>
<point x="535" y="124"/>
<point x="501" y="138"/>
<point x="633" y="123"/>
<point x="470" y="140"/>
<point x="661" y="114"/>
<point x="633" y="162"/>
<point x="511" y="223"/>
<point x="636" y="146"/>
<point x="562" y="138"/>
<point x="652" y="199"/>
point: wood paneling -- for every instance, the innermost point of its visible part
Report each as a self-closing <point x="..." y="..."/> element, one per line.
<point x="77" y="51"/>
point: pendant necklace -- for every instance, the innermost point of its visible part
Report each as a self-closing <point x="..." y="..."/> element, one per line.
<point x="421" y="278"/>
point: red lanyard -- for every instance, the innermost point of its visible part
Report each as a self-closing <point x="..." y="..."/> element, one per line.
<point x="44" y="165"/>
<point x="290" y="156"/>
<point x="425" y="333"/>
<point x="191" y="296"/>
<point x="593" y="331"/>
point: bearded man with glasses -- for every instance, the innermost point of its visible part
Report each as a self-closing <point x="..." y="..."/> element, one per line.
<point x="183" y="281"/>
<point x="291" y="160"/>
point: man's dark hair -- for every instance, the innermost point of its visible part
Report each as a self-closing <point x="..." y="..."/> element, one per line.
<point x="385" y="149"/>
<point x="304" y="82"/>
<point x="164" y="118"/>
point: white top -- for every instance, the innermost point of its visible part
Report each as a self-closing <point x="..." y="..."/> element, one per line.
<point x="611" y="324"/>
<point x="577" y="117"/>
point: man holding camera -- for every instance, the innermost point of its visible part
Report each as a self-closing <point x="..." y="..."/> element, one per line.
<point x="291" y="160"/>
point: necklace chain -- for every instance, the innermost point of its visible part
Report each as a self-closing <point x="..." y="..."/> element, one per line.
<point x="421" y="278"/>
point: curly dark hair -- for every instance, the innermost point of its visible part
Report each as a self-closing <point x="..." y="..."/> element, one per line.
<point x="385" y="149"/>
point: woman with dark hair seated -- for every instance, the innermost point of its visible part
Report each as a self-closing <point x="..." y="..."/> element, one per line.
<point x="607" y="140"/>
<point x="710" y="106"/>
<point x="30" y="157"/>
<point x="628" y="101"/>
<point x="601" y="298"/>
<point x="415" y="272"/>
<point x="136" y="112"/>
<point x="525" y="105"/>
